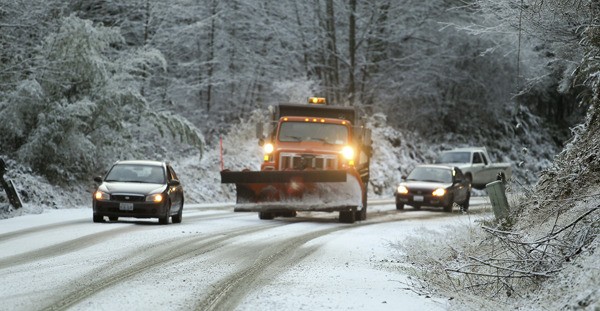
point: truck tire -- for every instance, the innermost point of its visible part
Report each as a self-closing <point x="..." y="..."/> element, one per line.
<point x="98" y="218"/>
<point x="113" y="218"/>
<point x="288" y="214"/>
<point x="362" y="214"/>
<point x="265" y="215"/>
<point x="399" y="206"/>
<point x="347" y="217"/>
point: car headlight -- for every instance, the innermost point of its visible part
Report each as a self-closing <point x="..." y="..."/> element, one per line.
<point x="439" y="192"/>
<point x="268" y="148"/>
<point x="402" y="190"/>
<point x="156" y="198"/>
<point x="101" y="196"/>
<point x="348" y="153"/>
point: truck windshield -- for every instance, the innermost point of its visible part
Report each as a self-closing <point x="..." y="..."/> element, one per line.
<point x="454" y="157"/>
<point x="328" y="133"/>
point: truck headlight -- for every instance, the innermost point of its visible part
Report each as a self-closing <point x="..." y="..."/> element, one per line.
<point x="439" y="192"/>
<point x="268" y="148"/>
<point x="348" y="153"/>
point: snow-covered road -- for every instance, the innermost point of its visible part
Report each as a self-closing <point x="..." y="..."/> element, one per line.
<point x="214" y="260"/>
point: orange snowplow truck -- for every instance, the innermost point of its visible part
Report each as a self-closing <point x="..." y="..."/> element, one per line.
<point x="316" y="158"/>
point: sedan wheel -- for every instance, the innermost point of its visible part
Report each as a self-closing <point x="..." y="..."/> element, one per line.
<point x="177" y="218"/>
<point x="448" y="207"/>
<point x="98" y="218"/>
<point x="465" y="205"/>
<point x="165" y="219"/>
<point x="113" y="218"/>
<point x="399" y="206"/>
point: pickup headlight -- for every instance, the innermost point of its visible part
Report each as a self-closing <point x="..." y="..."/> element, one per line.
<point x="439" y="192"/>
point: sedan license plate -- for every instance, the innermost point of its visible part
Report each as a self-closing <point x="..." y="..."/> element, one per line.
<point x="418" y="198"/>
<point x="126" y="207"/>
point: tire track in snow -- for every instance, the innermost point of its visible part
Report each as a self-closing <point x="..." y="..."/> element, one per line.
<point x="178" y="249"/>
<point x="229" y="292"/>
<point x="84" y="241"/>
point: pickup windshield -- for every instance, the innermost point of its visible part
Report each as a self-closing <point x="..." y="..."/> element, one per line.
<point x="454" y="157"/>
<point x="336" y="134"/>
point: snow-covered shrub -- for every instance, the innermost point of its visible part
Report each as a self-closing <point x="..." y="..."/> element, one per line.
<point x="82" y="108"/>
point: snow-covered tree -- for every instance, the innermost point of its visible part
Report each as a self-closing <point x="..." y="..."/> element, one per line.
<point x="80" y="108"/>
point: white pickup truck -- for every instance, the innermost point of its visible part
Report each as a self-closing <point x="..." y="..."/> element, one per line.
<point x="475" y="164"/>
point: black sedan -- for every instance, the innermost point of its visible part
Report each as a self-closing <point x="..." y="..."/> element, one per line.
<point x="434" y="185"/>
<point x="140" y="189"/>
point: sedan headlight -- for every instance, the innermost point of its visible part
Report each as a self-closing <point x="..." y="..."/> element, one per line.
<point x="402" y="190"/>
<point x="101" y="196"/>
<point x="156" y="198"/>
<point x="348" y="153"/>
<point x="439" y="192"/>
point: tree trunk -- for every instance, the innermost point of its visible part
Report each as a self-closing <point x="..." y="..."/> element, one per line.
<point x="352" y="52"/>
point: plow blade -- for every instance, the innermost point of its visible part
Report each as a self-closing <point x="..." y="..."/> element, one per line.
<point x="270" y="177"/>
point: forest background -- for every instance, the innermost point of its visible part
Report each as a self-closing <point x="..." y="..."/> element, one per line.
<point x="84" y="83"/>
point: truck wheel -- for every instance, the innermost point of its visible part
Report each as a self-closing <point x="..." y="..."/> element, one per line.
<point x="288" y="214"/>
<point x="98" y="218"/>
<point x="113" y="218"/>
<point x="347" y="217"/>
<point x="362" y="214"/>
<point x="399" y="206"/>
<point x="266" y="215"/>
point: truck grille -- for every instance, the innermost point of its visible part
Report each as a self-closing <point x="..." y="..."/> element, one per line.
<point x="301" y="161"/>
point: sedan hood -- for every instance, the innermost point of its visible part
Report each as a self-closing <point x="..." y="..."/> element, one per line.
<point x="132" y="188"/>
<point x="425" y="185"/>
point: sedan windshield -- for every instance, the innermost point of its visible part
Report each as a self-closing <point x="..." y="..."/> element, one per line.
<point x="454" y="157"/>
<point x="304" y="131"/>
<point x="136" y="173"/>
<point x="432" y="174"/>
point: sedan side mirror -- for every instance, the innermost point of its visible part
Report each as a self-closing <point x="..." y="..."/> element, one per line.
<point x="403" y="177"/>
<point x="98" y="179"/>
<point x="174" y="183"/>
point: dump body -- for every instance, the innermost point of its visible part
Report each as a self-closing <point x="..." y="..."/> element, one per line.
<point x="316" y="159"/>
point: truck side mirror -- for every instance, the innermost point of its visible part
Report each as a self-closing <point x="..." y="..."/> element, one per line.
<point x="259" y="131"/>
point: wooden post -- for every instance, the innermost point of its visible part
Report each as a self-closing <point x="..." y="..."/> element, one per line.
<point x="9" y="187"/>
